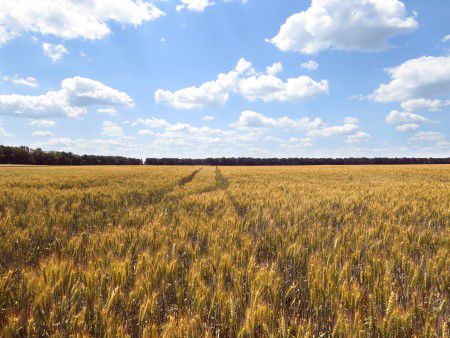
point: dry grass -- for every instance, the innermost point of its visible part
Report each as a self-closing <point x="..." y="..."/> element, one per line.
<point x="182" y="252"/>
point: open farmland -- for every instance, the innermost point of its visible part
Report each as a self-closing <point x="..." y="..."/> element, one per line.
<point x="228" y="251"/>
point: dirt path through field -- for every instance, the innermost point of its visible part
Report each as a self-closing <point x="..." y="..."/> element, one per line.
<point x="223" y="183"/>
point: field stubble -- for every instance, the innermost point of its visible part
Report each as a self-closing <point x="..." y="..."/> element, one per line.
<point x="236" y="251"/>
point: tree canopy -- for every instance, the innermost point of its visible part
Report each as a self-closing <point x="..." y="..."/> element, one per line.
<point x="26" y="155"/>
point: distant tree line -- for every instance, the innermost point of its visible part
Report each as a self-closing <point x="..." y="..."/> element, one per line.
<point x="249" y="161"/>
<point x="25" y="155"/>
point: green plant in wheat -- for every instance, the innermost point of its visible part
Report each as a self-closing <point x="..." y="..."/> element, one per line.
<point x="250" y="252"/>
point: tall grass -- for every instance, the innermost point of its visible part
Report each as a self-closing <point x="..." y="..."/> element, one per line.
<point x="250" y="252"/>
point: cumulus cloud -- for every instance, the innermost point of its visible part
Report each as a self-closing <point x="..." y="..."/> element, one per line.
<point x="424" y="104"/>
<point x="116" y="146"/>
<point x="310" y="65"/>
<point x="194" y="5"/>
<point x="67" y="19"/>
<point x="145" y="132"/>
<point x="396" y="116"/>
<point x="249" y="128"/>
<point x="298" y="142"/>
<point x="351" y="120"/>
<point x="43" y="133"/>
<point x="271" y="88"/>
<point x="357" y="137"/>
<point x="276" y="68"/>
<point x="344" y="129"/>
<point x="152" y="123"/>
<point x="199" y="5"/>
<point x="284" y="135"/>
<point x="431" y="136"/>
<point x="73" y="99"/>
<point x="107" y="111"/>
<point x="349" y="128"/>
<point x="111" y="129"/>
<point x="245" y="81"/>
<point x="209" y="94"/>
<point x="54" y="51"/>
<point x="361" y="25"/>
<point x="446" y="38"/>
<point x="251" y="119"/>
<point x="184" y="134"/>
<point x="421" y="84"/>
<point x="21" y="81"/>
<point x="42" y="123"/>
<point x="314" y="128"/>
<point x="208" y="118"/>
<point x="407" y="127"/>
<point x="426" y="77"/>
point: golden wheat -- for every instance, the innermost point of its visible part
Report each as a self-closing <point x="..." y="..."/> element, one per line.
<point x="188" y="252"/>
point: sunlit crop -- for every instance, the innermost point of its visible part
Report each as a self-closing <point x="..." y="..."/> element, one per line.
<point x="229" y="251"/>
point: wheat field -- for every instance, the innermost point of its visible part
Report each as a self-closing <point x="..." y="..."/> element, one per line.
<point x="350" y="251"/>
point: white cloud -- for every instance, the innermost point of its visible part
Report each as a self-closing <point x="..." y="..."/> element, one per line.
<point x="166" y="134"/>
<point x="152" y="123"/>
<point x="407" y="127"/>
<point x="111" y="129"/>
<point x="284" y="136"/>
<point x="424" y="78"/>
<point x="184" y="134"/>
<point x="199" y="5"/>
<point x="246" y="82"/>
<point x="346" y="128"/>
<point x="276" y="68"/>
<point x="6" y="35"/>
<point x="424" y="104"/>
<point x="116" y="146"/>
<point x="68" y="19"/>
<point x="21" y="81"/>
<point x="446" y="38"/>
<point x="208" y="118"/>
<point x="194" y="5"/>
<point x="145" y="132"/>
<point x="54" y="51"/>
<point x="431" y="136"/>
<point x="271" y="88"/>
<point x="43" y="133"/>
<point x="357" y="137"/>
<point x="349" y="128"/>
<point x="251" y="119"/>
<point x="42" y="123"/>
<point x="251" y="128"/>
<point x="351" y="120"/>
<point x="273" y="139"/>
<point x="243" y="66"/>
<point x="395" y="117"/>
<point x="361" y="25"/>
<point x="209" y="94"/>
<point x="310" y="65"/>
<point x="299" y="142"/>
<point x="107" y="111"/>
<point x="73" y="99"/>
<point x="421" y="84"/>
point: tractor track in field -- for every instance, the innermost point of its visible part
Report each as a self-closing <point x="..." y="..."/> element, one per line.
<point x="222" y="183"/>
<point x="180" y="183"/>
<point x="189" y="178"/>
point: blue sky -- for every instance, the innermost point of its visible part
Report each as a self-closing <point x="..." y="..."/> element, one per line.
<point x="195" y="78"/>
